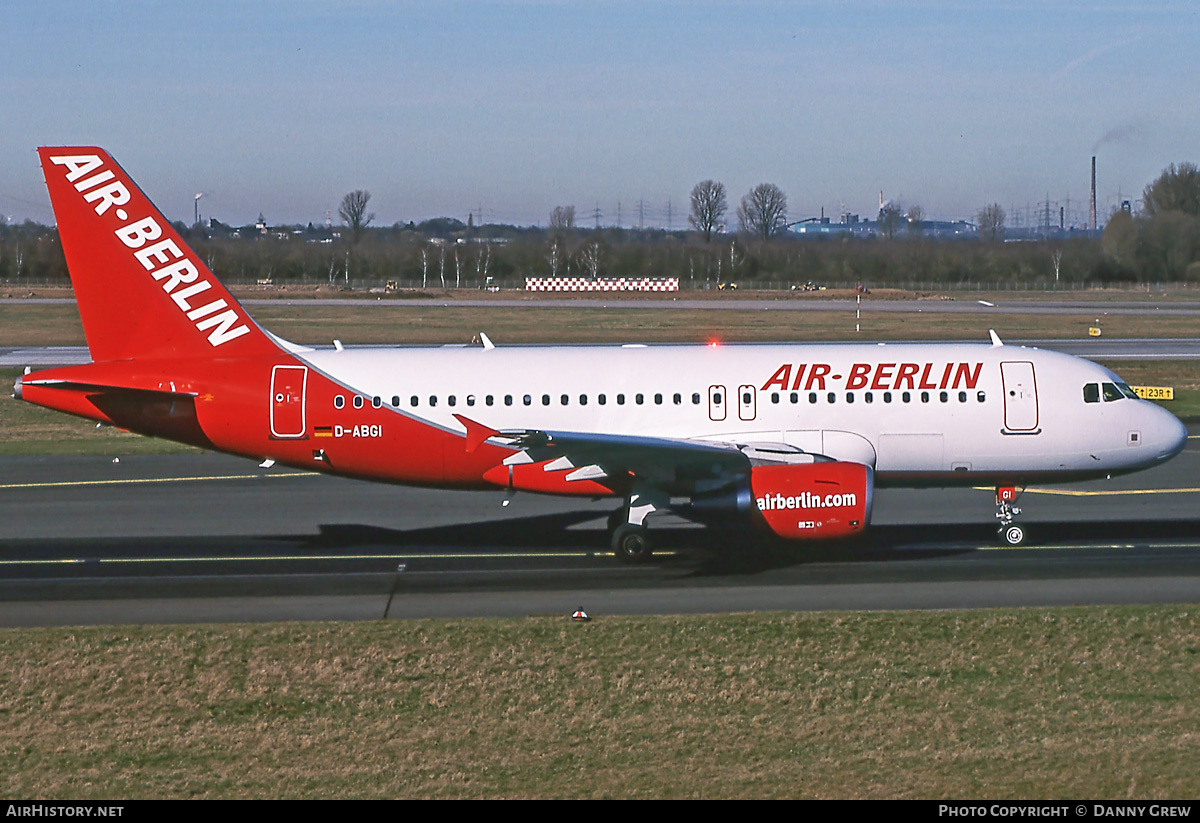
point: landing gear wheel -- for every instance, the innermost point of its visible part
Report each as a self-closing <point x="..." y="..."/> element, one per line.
<point x="631" y="543"/>
<point x="618" y="517"/>
<point x="1012" y="534"/>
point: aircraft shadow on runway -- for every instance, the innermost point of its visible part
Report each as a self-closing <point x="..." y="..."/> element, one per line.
<point x="736" y="550"/>
<point x="686" y="551"/>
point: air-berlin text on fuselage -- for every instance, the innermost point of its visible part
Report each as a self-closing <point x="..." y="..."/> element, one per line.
<point x="174" y="269"/>
<point x="877" y="376"/>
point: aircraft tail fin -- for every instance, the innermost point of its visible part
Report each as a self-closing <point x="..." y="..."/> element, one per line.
<point x="142" y="293"/>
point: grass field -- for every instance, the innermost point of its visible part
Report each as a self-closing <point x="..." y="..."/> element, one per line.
<point x="1062" y="703"/>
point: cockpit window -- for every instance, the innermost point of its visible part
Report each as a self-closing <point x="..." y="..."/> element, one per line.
<point x="1091" y="393"/>
<point x="1128" y="392"/>
<point x="1111" y="392"/>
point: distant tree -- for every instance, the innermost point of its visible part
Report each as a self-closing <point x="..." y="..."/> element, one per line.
<point x="763" y="211"/>
<point x="1176" y="189"/>
<point x="1119" y="240"/>
<point x="708" y="208"/>
<point x="562" y="218"/>
<point x="890" y="217"/>
<point x="353" y="212"/>
<point x="916" y="219"/>
<point x="991" y="223"/>
<point x="590" y="258"/>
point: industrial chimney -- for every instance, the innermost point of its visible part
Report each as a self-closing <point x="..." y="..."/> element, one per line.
<point x="1093" y="211"/>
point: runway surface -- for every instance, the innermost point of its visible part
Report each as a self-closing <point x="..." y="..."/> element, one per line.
<point x="200" y="538"/>
<point x="785" y="301"/>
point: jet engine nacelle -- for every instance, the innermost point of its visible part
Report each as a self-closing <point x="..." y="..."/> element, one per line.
<point x="817" y="501"/>
<point x="813" y="502"/>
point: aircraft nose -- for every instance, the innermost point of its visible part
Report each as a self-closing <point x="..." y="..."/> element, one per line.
<point x="1167" y="433"/>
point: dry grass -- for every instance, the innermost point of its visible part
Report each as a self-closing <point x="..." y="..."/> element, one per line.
<point x="1017" y="703"/>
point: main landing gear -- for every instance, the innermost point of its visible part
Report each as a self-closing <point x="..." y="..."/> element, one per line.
<point x="631" y="541"/>
<point x="1010" y="532"/>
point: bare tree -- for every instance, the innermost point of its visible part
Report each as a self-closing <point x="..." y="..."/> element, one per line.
<point x="353" y="212"/>
<point x="763" y="211"/>
<point x="590" y="257"/>
<point x="708" y="208"/>
<point x="889" y="219"/>
<point x="991" y="223"/>
<point x="916" y="219"/>
<point x="562" y="218"/>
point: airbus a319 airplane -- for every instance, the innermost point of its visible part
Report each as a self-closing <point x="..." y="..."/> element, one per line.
<point x="791" y="439"/>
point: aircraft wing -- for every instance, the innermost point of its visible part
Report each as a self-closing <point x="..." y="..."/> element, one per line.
<point x="678" y="466"/>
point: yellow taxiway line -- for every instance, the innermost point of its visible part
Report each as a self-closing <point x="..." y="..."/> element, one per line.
<point x="1097" y="492"/>
<point x="136" y="480"/>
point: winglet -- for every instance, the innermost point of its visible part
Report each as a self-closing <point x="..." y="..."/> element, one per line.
<point x="477" y="433"/>
<point x="996" y="341"/>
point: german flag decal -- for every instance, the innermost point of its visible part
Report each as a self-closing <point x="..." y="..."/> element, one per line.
<point x="323" y="431"/>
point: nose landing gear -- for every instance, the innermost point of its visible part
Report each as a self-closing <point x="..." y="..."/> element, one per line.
<point x="1010" y="532"/>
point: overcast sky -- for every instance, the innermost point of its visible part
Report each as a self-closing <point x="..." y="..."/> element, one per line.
<point x="515" y="107"/>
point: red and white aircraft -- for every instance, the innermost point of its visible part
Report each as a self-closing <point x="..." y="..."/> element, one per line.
<point x="792" y="438"/>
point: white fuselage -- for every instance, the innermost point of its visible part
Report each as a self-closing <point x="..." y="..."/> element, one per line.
<point x="921" y="413"/>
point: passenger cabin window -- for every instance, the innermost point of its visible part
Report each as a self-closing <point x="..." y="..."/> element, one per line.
<point x="508" y="399"/>
<point x="696" y="399"/>
<point x="376" y="402"/>
<point x="433" y="399"/>
<point x="639" y="399"/>
<point x="601" y="399"/>
<point x="1091" y="393"/>
<point x="470" y="400"/>
<point x="658" y="399"/>
<point x="527" y="400"/>
<point x="395" y="401"/>
<point x="677" y="399"/>
<point x="451" y="400"/>
<point x="620" y="400"/>
<point x="413" y="401"/>
<point x="488" y="400"/>
<point x="339" y="402"/>
<point x="358" y="401"/>
<point x="583" y="399"/>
